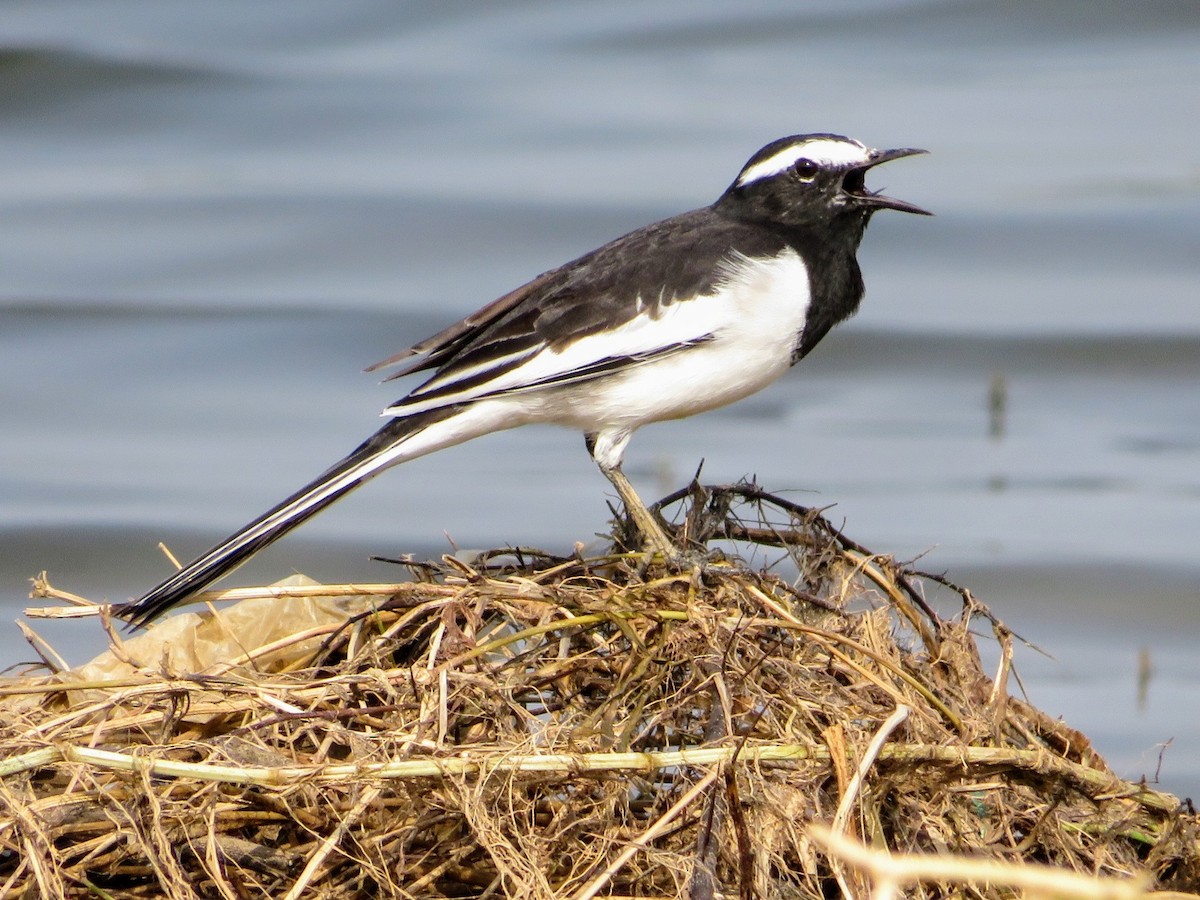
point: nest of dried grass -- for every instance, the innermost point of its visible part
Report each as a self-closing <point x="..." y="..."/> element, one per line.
<point x="525" y="726"/>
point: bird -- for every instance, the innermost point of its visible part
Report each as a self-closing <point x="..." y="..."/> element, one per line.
<point x="675" y="318"/>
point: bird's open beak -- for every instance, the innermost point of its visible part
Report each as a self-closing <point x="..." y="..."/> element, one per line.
<point x="855" y="183"/>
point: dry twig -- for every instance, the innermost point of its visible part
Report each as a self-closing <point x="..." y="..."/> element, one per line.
<point x="528" y="726"/>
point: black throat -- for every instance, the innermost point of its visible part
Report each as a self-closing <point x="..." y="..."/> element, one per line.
<point x="827" y="241"/>
<point x="835" y="282"/>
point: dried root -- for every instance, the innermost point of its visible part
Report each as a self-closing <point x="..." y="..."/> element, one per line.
<point x="524" y="726"/>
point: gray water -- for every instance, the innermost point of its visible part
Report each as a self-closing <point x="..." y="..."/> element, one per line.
<point x="213" y="216"/>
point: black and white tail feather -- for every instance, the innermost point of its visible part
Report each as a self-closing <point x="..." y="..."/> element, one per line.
<point x="679" y="317"/>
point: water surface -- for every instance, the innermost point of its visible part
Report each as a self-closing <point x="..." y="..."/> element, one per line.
<point x="215" y="216"/>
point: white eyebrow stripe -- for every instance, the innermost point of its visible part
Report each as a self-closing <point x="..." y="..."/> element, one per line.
<point x="826" y="152"/>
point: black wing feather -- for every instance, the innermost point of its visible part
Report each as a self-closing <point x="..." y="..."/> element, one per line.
<point x="668" y="262"/>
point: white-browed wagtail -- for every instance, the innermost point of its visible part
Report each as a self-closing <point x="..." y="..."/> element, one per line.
<point x="672" y="319"/>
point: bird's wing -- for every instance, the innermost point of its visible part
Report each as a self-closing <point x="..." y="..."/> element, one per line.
<point x="441" y="347"/>
<point x="526" y="361"/>
<point x="604" y="311"/>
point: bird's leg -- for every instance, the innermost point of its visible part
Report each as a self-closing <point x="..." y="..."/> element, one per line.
<point x="606" y="449"/>
<point x="656" y="539"/>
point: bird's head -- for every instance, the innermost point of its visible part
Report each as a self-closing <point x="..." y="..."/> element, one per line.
<point x="812" y="180"/>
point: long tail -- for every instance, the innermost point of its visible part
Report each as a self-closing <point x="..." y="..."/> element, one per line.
<point x="382" y="449"/>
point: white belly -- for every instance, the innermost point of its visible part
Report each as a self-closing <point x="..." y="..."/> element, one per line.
<point x="755" y="319"/>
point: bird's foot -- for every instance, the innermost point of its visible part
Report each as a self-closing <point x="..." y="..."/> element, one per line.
<point x="654" y="539"/>
<point x="697" y="563"/>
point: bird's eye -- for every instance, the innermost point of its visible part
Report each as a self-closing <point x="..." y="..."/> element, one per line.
<point x="805" y="169"/>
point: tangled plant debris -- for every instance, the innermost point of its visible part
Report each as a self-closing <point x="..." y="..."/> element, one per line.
<point x="745" y="724"/>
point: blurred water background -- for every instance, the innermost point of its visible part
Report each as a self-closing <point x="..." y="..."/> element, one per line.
<point x="212" y="216"/>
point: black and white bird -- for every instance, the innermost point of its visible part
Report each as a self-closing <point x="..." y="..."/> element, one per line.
<point x="675" y="318"/>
